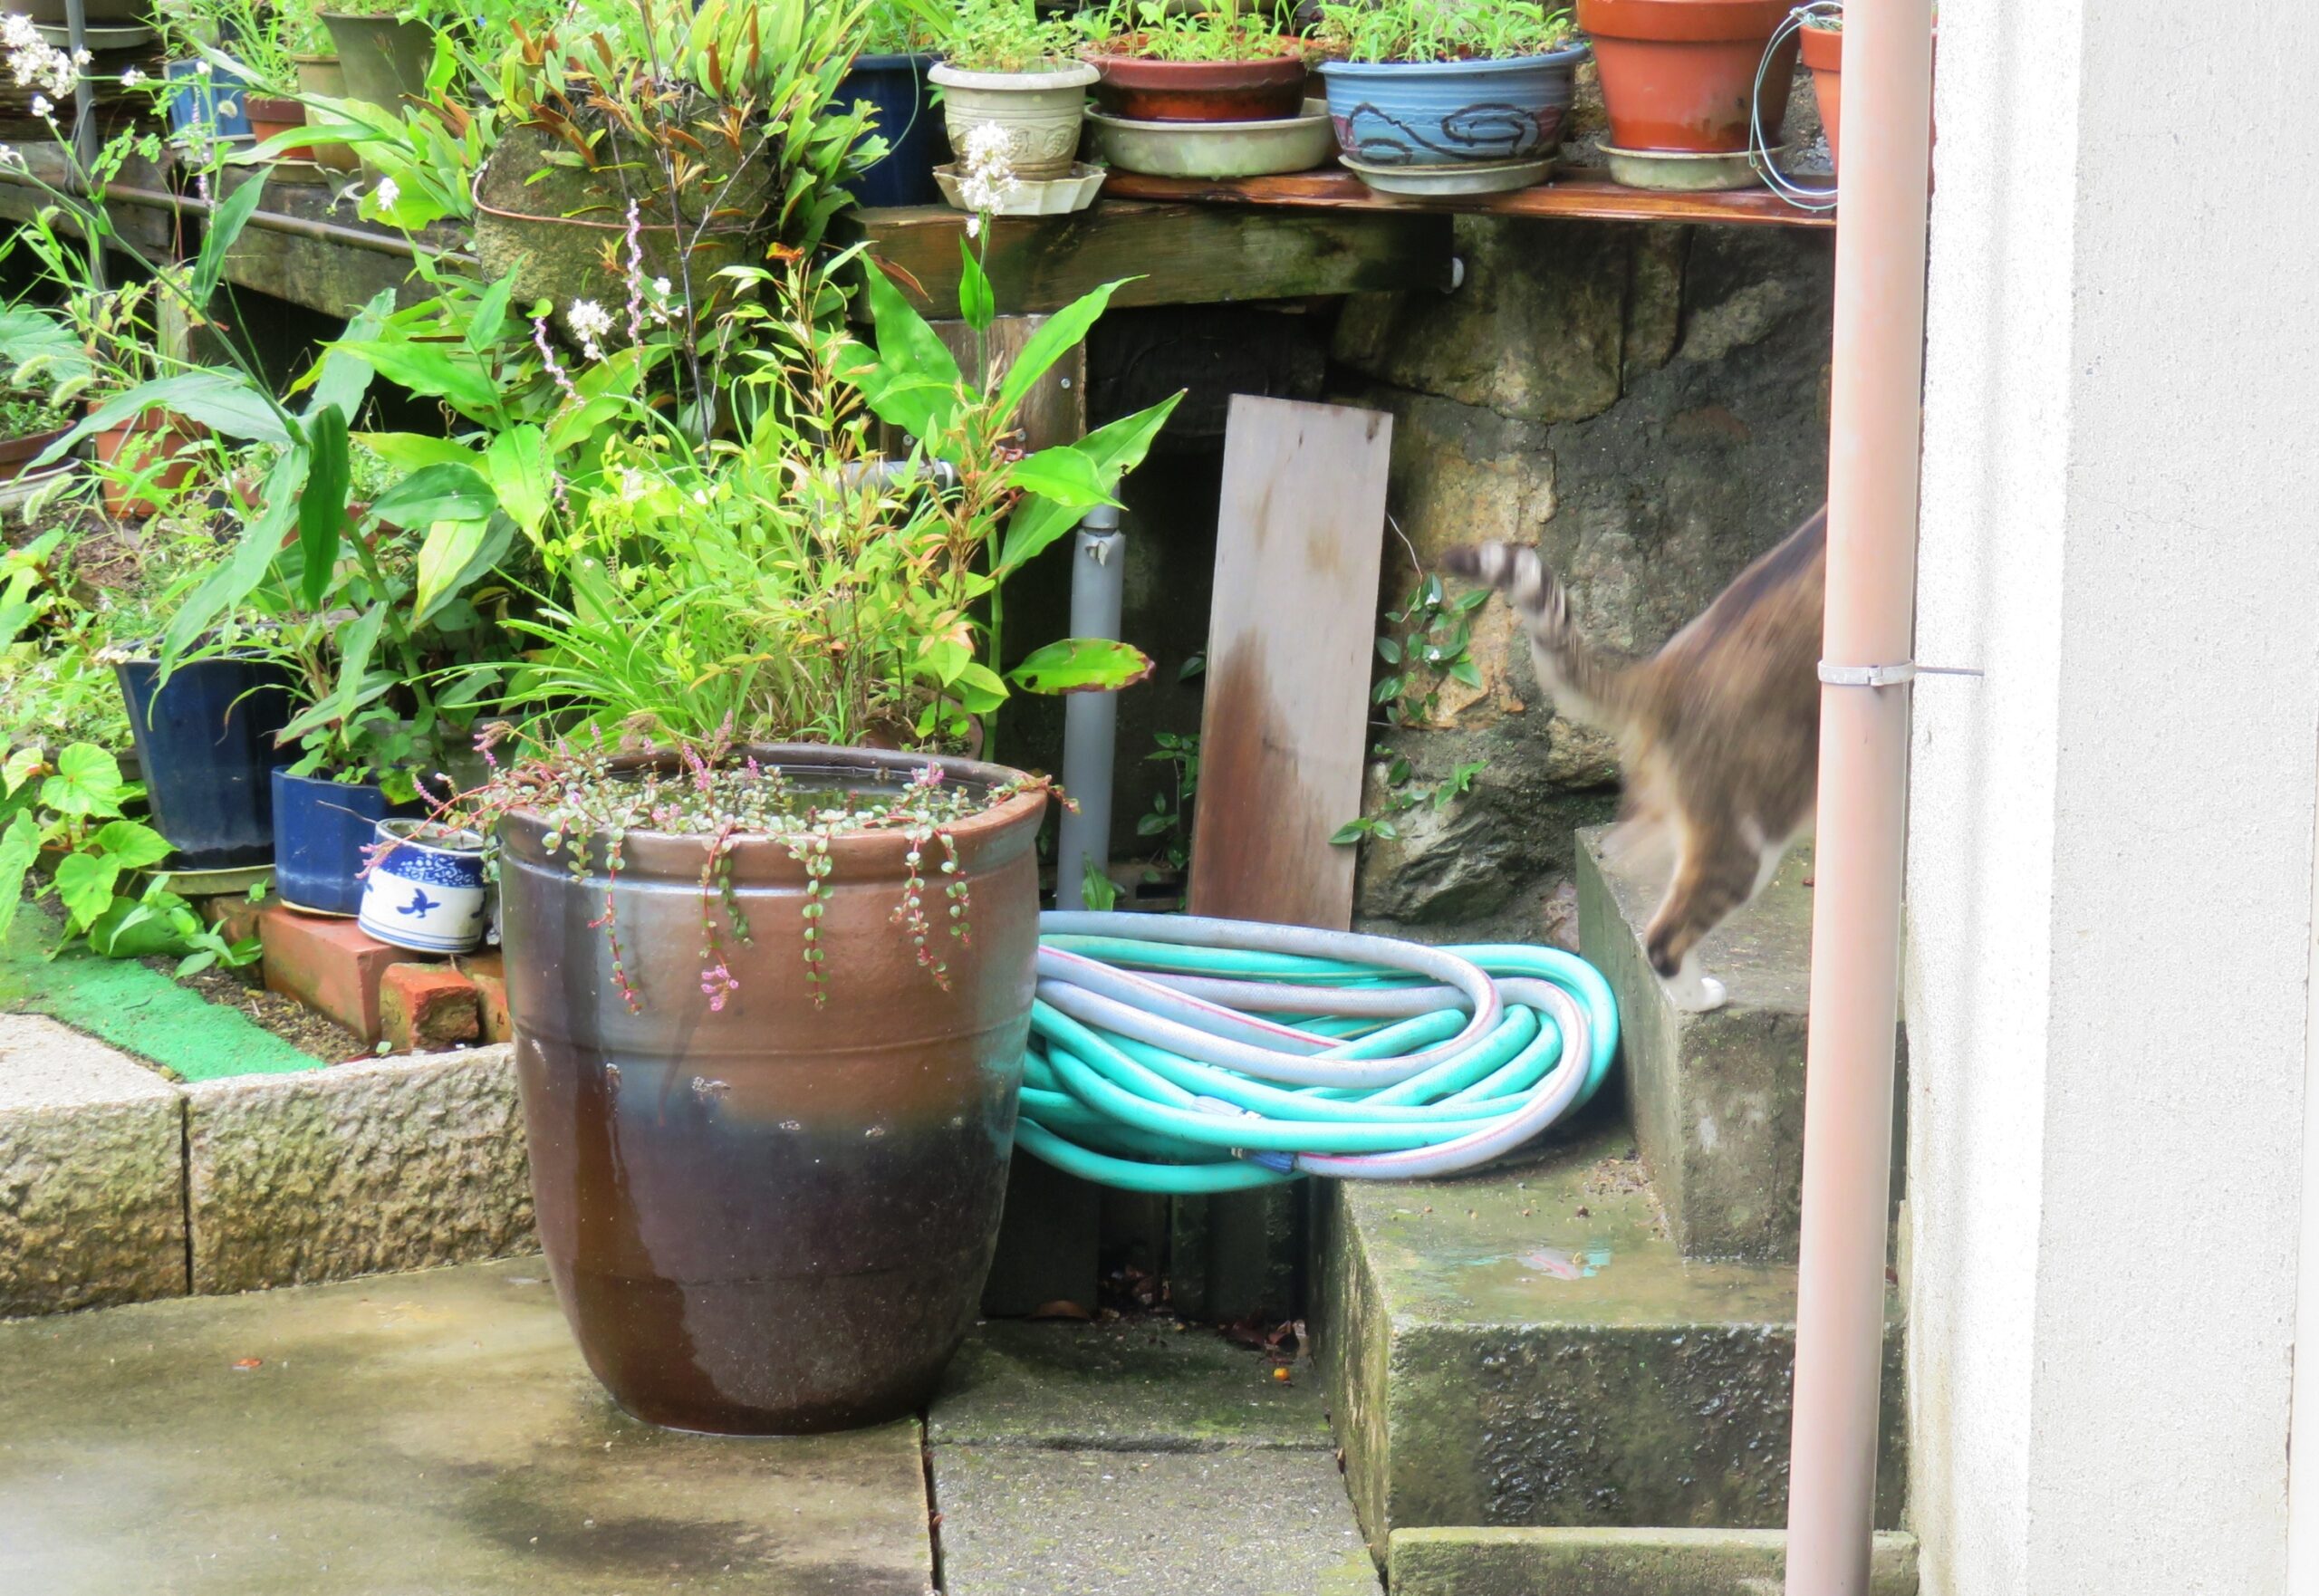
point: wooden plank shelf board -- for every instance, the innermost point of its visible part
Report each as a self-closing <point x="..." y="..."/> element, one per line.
<point x="1579" y="194"/>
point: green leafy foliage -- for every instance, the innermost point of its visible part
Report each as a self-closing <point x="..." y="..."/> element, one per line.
<point x="1152" y="30"/>
<point x="1419" y="31"/>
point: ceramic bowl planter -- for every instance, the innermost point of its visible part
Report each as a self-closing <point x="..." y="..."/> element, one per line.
<point x="775" y="1216"/>
<point x="1452" y="114"/>
<point x="17" y="453"/>
<point x="1216" y="150"/>
<point x="1679" y="75"/>
<point x="1132" y="87"/>
<point x="384" y="60"/>
<point x="205" y="742"/>
<point x="1040" y="112"/>
<point x="321" y="828"/>
<point x="909" y="123"/>
<point x="425" y="888"/>
<point x="156" y="444"/>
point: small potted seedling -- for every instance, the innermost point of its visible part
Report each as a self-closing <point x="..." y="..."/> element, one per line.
<point x="1013" y="98"/>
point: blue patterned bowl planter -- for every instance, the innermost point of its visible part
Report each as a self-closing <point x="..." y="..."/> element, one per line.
<point x="426" y="890"/>
<point x="1402" y="113"/>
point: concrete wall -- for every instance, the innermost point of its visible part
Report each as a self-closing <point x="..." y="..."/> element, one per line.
<point x="2111" y="853"/>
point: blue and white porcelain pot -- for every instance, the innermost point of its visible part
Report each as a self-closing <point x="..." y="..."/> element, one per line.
<point x="426" y="889"/>
<point x="1451" y="113"/>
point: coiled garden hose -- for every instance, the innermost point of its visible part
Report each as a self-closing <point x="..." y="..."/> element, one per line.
<point x="1170" y="1053"/>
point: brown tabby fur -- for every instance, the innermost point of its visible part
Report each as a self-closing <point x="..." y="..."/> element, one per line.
<point x="1718" y="732"/>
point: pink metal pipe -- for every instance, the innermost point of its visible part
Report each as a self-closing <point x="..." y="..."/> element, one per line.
<point x="1873" y="452"/>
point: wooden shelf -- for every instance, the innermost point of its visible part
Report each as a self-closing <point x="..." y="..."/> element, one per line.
<point x="1580" y="194"/>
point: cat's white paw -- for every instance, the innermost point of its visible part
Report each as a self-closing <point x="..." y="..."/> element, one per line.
<point x="1696" y="994"/>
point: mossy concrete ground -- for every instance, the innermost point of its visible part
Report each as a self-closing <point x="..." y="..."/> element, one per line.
<point x="1717" y="1099"/>
<point x="433" y="1432"/>
<point x="1617" y="1562"/>
<point x="1526" y="1348"/>
<point x="1137" y="1458"/>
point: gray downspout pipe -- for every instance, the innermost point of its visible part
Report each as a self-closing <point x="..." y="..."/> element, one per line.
<point x="1090" y="720"/>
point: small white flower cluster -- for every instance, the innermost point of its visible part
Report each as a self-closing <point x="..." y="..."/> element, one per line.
<point x="10" y="159"/>
<point x="386" y="193"/>
<point x="33" y="60"/>
<point x="990" y="175"/>
<point x="590" y="323"/>
<point x="130" y="77"/>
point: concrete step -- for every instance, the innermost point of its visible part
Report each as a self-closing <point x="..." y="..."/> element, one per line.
<point x="1527" y="1348"/>
<point x="1618" y="1563"/>
<point x="1717" y="1099"/>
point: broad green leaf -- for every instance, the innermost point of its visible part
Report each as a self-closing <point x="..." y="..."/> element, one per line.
<point x="87" y="782"/>
<point x="158" y="923"/>
<point x="321" y="508"/>
<point x="437" y="493"/>
<point x="223" y="401"/>
<point x="19" y="847"/>
<point x="490" y="315"/>
<point x="21" y="764"/>
<point x="341" y="379"/>
<point x="1062" y="476"/>
<point x="133" y="845"/>
<point x="233" y="582"/>
<point x="449" y="548"/>
<point x="977" y="305"/>
<point x="1055" y="337"/>
<point x="1352" y="830"/>
<point x="911" y="362"/>
<point x="412" y="451"/>
<point x="458" y="565"/>
<point x="431" y="371"/>
<point x="977" y="688"/>
<point x="1116" y="450"/>
<point x="517" y="464"/>
<point x="227" y="219"/>
<point x="354" y="646"/>
<point x="1082" y="664"/>
<point x="84" y="884"/>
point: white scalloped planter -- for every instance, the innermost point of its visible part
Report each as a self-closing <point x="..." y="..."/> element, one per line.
<point x="1040" y="112"/>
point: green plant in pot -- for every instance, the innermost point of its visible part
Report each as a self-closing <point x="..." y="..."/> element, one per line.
<point x="771" y="990"/>
<point x="1014" y="95"/>
<point x="29" y="423"/>
<point x="1429" y="97"/>
<point x="1237" y="61"/>
<point x="387" y="48"/>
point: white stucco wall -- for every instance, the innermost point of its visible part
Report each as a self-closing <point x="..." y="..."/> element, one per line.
<point x="2111" y="852"/>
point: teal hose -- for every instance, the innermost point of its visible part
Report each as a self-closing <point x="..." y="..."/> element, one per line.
<point x="1171" y="1053"/>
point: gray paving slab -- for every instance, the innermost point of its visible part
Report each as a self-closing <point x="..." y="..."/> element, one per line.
<point x="432" y="1434"/>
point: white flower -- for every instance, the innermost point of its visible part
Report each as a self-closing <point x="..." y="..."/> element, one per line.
<point x="661" y="287"/>
<point x="386" y="193"/>
<point x="699" y="496"/>
<point x="589" y="321"/>
<point x="81" y="58"/>
<point x="226" y="108"/>
<point x="633" y="485"/>
<point x="17" y="32"/>
<point x="41" y="106"/>
<point x="974" y="224"/>
<point x="201" y="69"/>
<point x="990" y="175"/>
<point x="130" y="78"/>
<point x="10" y="160"/>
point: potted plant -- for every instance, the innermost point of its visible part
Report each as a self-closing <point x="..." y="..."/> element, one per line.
<point x="1010" y="81"/>
<point x="1441" y="99"/>
<point x="28" y="425"/>
<point x="1233" y="63"/>
<point x="385" y="47"/>
<point x="901" y="41"/>
<point x="1680" y="80"/>
<point x="424" y="887"/>
<point x="577" y="198"/>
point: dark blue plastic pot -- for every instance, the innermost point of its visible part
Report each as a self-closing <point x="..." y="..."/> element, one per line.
<point x="205" y="742"/>
<point x="910" y="124"/>
<point x="198" y="101"/>
<point x="1450" y="113"/>
<point x="320" y="831"/>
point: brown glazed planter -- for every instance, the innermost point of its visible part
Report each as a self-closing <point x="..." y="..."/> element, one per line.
<point x="1680" y="74"/>
<point x="774" y="1218"/>
<point x="17" y="453"/>
<point x="1138" y="90"/>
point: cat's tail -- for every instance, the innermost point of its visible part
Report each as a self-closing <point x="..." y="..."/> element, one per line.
<point x="1569" y="667"/>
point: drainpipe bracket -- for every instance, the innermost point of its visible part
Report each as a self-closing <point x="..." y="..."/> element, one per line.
<point x="1885" y="676"/>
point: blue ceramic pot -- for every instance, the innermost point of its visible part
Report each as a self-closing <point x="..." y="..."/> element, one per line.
<point x="427" y="891"/>
<point x="1450" y="113"/>
<point x="205" y="743"/>
<point x="320" y="831"/>
<point x="198" y="101"/>
<point x="910" y="123"/>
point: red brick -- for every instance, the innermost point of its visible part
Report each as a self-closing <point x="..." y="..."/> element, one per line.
<point x="234" y="915"/>
<point x="426" y="1008"/>
<point x="488" y="971"/>
<point x="328" y="964"/>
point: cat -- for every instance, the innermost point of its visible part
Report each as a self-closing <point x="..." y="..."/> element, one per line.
<point x="1718" y="733"/>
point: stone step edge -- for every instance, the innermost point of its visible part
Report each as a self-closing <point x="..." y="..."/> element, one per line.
<point x="1489" y="1561"/>
<point x="399" y="1163"/>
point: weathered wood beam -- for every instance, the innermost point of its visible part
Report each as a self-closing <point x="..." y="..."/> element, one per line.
<point x="1178" y="254"/>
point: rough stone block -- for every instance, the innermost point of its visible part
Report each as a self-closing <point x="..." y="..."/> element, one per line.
<point x="427" y="1008"/>
<point x="92" y="1174"/>
<point x="488" y="971"/>
<point x="1526" y="1349"/>
<point x="1618" y="1563"/>
<point x="399" y="1164"/>
<point x="329" y="965"/>
<point x="1717" y="1098"/>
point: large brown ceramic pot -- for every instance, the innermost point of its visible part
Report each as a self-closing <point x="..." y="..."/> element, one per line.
<point x="771" y="1217"/>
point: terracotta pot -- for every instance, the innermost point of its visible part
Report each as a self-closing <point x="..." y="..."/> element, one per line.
<point x="771" y="1217"/>
<point x="1823" y="53"/>
<point x="17" y="453"/>
<point x="273" y="114"/>
<point x="154" y="434"/>
<point x="1680" y="74"/>
<point x="1144" y="90"/>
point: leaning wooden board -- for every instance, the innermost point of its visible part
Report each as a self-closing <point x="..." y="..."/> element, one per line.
<point x="1298" y="540"/>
